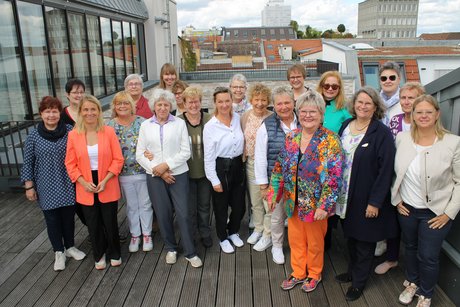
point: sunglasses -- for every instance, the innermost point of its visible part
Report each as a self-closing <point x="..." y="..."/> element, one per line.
<point x="327" y="86"/>
<point x="384" y="78"/>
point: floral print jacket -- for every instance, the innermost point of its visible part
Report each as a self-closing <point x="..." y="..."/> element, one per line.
<point x="317" y="174"/>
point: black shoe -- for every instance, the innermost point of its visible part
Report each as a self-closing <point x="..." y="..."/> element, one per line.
<point x="207" y="242"/>
<point x="353" y="294"/>
<point x="343" y="278"/>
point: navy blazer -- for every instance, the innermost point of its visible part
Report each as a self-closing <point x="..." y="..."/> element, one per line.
<point x="370" y="183"/>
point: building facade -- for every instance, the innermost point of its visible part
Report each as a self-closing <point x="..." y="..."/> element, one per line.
<point x="276" y="14"/>
<point x="45" y="43"/>
<point x="388" y="19"/>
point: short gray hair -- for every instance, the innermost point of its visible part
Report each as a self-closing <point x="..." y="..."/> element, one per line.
<point x="238" y="77"/>
<point x="160" y="94"/>
<point x="282" y="90"/>
<point x="133" y="77"/>
<point x="311" y="98"/>
<point x="390" y="66"/>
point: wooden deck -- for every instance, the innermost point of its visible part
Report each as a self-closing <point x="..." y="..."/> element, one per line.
<point x="245" y="278"/>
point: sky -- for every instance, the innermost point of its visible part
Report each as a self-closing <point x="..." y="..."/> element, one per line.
<point x="434" y="16"/>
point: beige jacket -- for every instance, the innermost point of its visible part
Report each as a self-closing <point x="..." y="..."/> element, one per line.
<point x="440" y="172"/>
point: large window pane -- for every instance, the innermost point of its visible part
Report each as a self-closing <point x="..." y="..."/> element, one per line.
<point x="135" y="48"/>
<point x="59" y="48"/>
<point x="13" y="105"/>
<point x="94" y="44"/>
<point x="109" y="64"/>
<point x="78" y="47"/>
<point x="35" y="51"/>
<point x="128" y="48"/>
<point x="119" y="56"/>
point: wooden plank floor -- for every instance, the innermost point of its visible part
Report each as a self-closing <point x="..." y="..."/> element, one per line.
<point x="245" y="278"/>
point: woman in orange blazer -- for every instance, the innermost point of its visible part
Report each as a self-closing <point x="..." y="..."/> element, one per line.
<point x="93" y="161"/>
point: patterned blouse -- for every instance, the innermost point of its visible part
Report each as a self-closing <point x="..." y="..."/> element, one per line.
<point x="44" y="165"/>
<point x="253" y="123"/>
<point x="128" y="141"/>
<point x="317" y="173"/>
<point x="349" y="142"/>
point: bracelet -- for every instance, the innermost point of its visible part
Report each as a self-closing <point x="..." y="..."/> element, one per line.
<point x="29" y="188"/>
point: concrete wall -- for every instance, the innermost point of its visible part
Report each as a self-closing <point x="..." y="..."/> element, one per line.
<point x="432" y="68"/>
<point x="161" y="38"/>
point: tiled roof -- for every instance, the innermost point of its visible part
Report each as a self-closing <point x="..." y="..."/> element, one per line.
<point x="440" y="36"/>
<point x="135" y="8"/>
<point x="305" y="46"/>
<point x="410" y="51"/>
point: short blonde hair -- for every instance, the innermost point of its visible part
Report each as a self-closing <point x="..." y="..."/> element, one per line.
<point x="311" y="98"/>
<point x="80" y="125"/>
<point x="120" y="96"/>
<point x="192" y="91"/>
<point x="260" y="89"/>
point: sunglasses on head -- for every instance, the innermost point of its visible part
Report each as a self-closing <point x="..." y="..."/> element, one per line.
<point x="384" y="78"/>
<point x="327" y="86"/>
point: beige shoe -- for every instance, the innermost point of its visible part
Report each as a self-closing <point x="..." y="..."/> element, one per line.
<point x="423" y="301"/>
<point x="101" y="264"/>
<point x="171" y="257"/>
<point x="384" y="267"/>
<point x="408" y="294"/>
<point x="59" y="261"/>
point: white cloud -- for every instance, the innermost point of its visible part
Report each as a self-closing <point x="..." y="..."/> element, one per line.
<point x="434" y="15"/>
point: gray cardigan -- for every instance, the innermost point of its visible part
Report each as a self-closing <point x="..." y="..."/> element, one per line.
<point x="440" y="173"/>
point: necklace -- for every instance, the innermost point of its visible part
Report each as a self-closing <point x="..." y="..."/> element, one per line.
<point x="356" y="127"/>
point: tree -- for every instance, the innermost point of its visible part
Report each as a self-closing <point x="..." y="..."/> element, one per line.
<point x="341" y="28"/>
<point x="189" y="56"/>
<point x="312" y="32"/>
<point x="327" y="34"/>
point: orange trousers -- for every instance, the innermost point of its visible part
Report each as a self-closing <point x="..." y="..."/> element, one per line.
<point x="306" y="240"/>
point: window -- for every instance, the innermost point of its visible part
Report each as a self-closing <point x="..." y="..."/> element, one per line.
<point x="270" y="47"/>
<point x="107" y="52"/>
<point x="94" y="46"/>
<point x="118" y="54"/>
<point x="127" y="43"/>
<point x="235" y="33"/>
<point x="135" y="46"/>
<point x="35" y="52"/>
<point x="59" y="47"/>
<point x="371" y="75"/>
<point x="13" y="106"/>
<point x="79" y="48"/>
<point x="271" y="58"/>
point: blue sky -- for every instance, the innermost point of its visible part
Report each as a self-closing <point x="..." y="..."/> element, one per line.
<point x="433" y="16"/>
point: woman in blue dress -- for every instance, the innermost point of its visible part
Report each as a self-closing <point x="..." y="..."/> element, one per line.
<point x="46" y="180"/>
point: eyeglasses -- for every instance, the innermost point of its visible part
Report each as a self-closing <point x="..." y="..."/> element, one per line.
<point x="427" y="113"/>
<point x="77" y="93"/>
<point x="122" y="103"/>
<point x="134" y="84"/>
<point x="384" y="78"/>
<point x="308" y="113"/>
<point x="334" y="87"/>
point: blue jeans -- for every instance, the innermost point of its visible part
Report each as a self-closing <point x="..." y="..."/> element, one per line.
<point x="60" y="224"/>
<point x="422" y="248"/>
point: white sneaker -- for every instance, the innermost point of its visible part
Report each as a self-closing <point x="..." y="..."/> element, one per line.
<point x="254" y="237"/>
<point x="235" y="238"/>
<point x="381" y="248"/>
<point x="286" y="223"/>
<point x="134" y="244"/>
<point x="408" y="294"/>
<point x="101" y="264"/>
<point x="115" y="262"/>
<point x="278" y="255"/>
<point x="195" y="261"/>
<point x="423" y="301"/>
<point x="251" y="223"/>
<point x="171" y="257"/>
<point x="263" y="244"/>
<point x="226" y="247"/>
<point x="147" y="244"/>
<point x="59" y="261"/>
<point x="75" y="253"/>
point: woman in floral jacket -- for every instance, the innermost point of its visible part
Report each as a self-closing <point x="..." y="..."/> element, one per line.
<point x="308" y="174"/>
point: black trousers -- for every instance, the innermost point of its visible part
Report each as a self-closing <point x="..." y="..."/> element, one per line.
<point x="232" y="178"/>
<point x="60" y="224"/>
<point x="361" y="259"/>
<point x="101" y="219"/>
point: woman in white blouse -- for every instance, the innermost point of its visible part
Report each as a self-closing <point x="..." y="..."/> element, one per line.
<point x="223" y="148"/>
<point x="166" y="138"/>
<point x="426" y="192"/>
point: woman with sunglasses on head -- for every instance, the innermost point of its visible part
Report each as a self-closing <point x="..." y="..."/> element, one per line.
<point x="426" y="193"/>
<point x="331" y="88"/>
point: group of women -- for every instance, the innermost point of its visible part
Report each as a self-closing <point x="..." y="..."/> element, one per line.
<point x="324" y="162"/>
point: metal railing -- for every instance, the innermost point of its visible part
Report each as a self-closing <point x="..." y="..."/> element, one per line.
<point x="12" y="139"/>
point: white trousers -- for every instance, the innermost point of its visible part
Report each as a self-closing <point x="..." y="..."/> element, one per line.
<point x="138" y="206"/>
<point x="261" y="216"/>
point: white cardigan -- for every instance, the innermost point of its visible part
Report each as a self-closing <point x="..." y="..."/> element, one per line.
<point x="175" y="150"/>
<point x="439" y="170"/>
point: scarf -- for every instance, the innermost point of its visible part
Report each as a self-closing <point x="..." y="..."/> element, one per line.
<point x="52" y="135"/>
